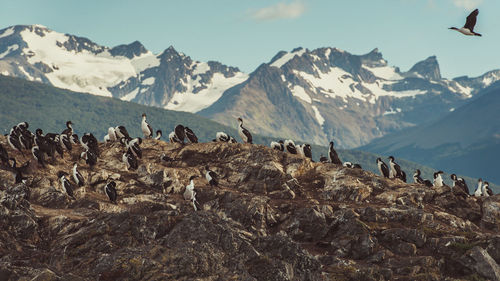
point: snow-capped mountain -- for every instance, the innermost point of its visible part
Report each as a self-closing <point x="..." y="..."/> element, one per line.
<point x="130" y="72"/>
<point x="314" y="96"/>
<point x="350" y="98"/>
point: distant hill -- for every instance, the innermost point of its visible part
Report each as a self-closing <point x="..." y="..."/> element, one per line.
<point x="47" y="107"/>
<point x="466" y="141"/>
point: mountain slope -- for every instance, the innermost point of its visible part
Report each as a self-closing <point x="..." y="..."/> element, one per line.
<point x="129" y="72"/>
<point x="350" y="98"/>
<point x="466" y="140"/>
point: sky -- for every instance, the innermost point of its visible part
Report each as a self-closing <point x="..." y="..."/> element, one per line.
<point x="247" y="33"/>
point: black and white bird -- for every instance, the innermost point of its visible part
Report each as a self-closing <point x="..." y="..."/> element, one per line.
<point x="305" y="150"/>
<point x="460" y="183"/>
<point x="165" y="158"/>
<point x="111" y="134"/>
<point x="190" y="135"/>
<point x="190" y="193"/>
<point x="13" y="140"/>
<point x="221" y="137"/>
<point x="134" y="146"/>
<point x="418" y="179"/>
<point x="438" y="180"/>
<point x="323" y="159"/>
<point x="18" y="171"/>
<point x="395" y="170"/>
<point x="38" y="155"/>
<point x="90" y="158"/>
<point x="146" y="128"/>
<point x="158" y="135"/>
<point x="65" y="142"/>
<point x="173" y="138"/>
<point x="180" y="134"/>
<point x="211" y="177"/>
<point x="290" y="147"/>
<point x="66" y="185"/>
<point x="487" y="189"/>
<point x="77" y="177"/>
<point x="121" y="132"/>
<point x="130" y="160"/>
<point x="74" y="139"/>
<point x="69" y="129"/>
<point x="89" y="143"/>
<point x="351" y="165"/>
<point x="468" y="28"/>
<point x="279" y="145"/>
<point x="332" y="155"/>
<point x="4" y="155"/>
<point x="382" y="167"/>
<point x="243" y="132"/>
<point x="110" y="190"/>
<point x="479" y="188"/>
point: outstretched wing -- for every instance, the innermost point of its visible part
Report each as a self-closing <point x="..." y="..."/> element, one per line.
<point x="471" y="20"/>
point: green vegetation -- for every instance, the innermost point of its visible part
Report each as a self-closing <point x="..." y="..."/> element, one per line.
<point x="46" y="107"/>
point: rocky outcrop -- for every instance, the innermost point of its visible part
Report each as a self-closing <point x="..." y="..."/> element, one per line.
<point x="274" y="216"/>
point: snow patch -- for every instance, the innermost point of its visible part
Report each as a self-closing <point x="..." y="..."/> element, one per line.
<point x="130" y="96"/>
<point x="392" y="111"/>
<point x="26" y="73"/>
<point x="298" y="91"/>
<point x="318" y="116"/>
<point x="201" y="68"/>
<point x="5" y="72"/>
<point x="148" y="81"/>
<point x="384" y="72"/>
<point x="287" y="57"/>
<point x="452" y="109"/>
<point x="9" y="49"/>
<point x="7" y="32"/>
<point x="190" y="102"/>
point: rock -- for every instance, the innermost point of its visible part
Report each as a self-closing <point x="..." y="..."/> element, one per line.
<point x="480" y="261"/>
<point x="491" y="213"/>
<point x="46" y="275"/>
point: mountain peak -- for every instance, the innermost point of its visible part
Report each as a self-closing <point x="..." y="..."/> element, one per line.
<point x="428" y="68"/>
<point x="130" y="51"/>
<point x="373" y="59"/>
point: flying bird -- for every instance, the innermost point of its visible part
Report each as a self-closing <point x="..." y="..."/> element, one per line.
<point x="468" y="28"/>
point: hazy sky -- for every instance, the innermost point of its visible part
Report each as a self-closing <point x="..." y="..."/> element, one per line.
<point x="247" y="33"/>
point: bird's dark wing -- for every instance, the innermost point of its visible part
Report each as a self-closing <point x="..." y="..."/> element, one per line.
<point x="248" y="135"/>
<point x="212" y="174"/>
<point x="471" y="20"/>
<point x="385" y="170"/>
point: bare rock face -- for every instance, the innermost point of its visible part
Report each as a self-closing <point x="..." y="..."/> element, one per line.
<point x="273" y="216"/>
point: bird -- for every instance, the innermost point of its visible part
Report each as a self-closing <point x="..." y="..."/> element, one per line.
<point x="190" y="193"/>
<point x="146" y="128"/>
<point x="418" y="179"/>
<point x="179" y="133"/>
<point x="89" y="143"/>
<point x="468" y="28"/>
<point x="69" y="129"/>
<point x="222" y="137"/>
<point x="121" y="132"/>
<point x="243" y="132"/>
<point x="110" y="190"/>
<point x="279" y="145"/>
<point x="487" y="188"/>
<point x="395" y="170"/>
<point x="4" y="155"/>
<point x="305" y="150"/>
<point x="211" y="177"/>
<point x="290" y="147"/>
<point x="382" y="167"/>
<point x="38" y="155"/>
<point x="65" y="142"/>
<point x="332" y="155"/>
<point x="438" y="180"/>
<point x="18" y="171"/>
<point x="111" y="134"/>
<point x="173" y="138"/>
<point x="106" y="139"/>
<point x="130" y="159"/>
<point x="460" y="182"/>
<point x="74" y="139"/>
<point x="190" y="135"/>
<point x="158" y="135"/>
<point x="13" y="140"/>
<point x="351" y="165"/>
<point x="479" y="191"/>
<point x="67" y="186"/>
<point x="77" y="177"/>
<point x="134" y="147"/>
<point x="90" y="158"/>
<point x="323" y="159"/>
<point x="165" y="158"/>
